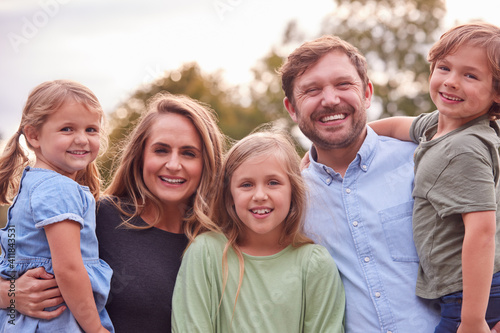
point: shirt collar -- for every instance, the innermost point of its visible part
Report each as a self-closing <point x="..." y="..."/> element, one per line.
<point x="363" y="159"/>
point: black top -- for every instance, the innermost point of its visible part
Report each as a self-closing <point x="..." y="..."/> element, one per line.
<point x="145" y="265"/>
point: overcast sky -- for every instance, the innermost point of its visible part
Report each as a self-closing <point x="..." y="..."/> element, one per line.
<point x="113" y="46"/>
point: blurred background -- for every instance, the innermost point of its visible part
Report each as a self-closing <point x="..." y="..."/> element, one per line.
<point x="222" y="52"/>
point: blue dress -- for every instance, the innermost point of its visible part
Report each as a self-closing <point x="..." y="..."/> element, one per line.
<point x="46" y="197"/>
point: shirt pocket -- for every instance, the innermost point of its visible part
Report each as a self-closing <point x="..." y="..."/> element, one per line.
<point x="397" y="225"/>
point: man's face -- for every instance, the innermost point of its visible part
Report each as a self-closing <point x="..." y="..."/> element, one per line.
<point x="330" y="103"/>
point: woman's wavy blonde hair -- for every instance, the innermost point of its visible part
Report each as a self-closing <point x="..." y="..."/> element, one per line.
<point x="128" y="184"/>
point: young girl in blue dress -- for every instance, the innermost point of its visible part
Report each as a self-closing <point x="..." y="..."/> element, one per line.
<point x="258" y="272"/>
<point x="51" y="221"/>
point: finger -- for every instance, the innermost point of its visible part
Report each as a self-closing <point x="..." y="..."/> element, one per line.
<point x="50" y="293"/>
<point x="45" y="284"/>
<point x="49" y="314"/>
<point x="51" y="302"/>
<point x="39" y="273"/>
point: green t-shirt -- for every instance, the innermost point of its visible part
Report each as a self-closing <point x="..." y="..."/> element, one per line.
<point x="456" y="173"/>
<point x="295" y="290"/>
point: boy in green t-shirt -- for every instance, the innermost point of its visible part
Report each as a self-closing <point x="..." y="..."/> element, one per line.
<point x="456" y="223"/>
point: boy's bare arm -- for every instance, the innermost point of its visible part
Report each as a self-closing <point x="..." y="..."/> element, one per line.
<point x="478" y="254"/>
<point x="394" y="127"/>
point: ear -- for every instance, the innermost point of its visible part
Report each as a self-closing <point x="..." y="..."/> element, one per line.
<point x="32" y="136"/>
<point x="291" y="110"/>
<point x="496" y="99"/>
<point x="368" y="94"/>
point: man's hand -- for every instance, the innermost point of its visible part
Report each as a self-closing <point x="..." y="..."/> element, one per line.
<point x="34" y="291"/>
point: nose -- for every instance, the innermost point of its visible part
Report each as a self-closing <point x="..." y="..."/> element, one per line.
<point x="260" y="193"/>
<point x="451" y="82"/>
<point x="173" y="162"/>
<point x="330" y="97"/>
<point x="81" y="138"/>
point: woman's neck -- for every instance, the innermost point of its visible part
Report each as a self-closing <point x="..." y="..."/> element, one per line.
<point x="171" y="219"/>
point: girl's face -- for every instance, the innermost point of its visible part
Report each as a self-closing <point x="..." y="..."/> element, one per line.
<point x="68" y="141"/>
<point x="173" y="159"/>
<point x="262" y="195"/>
<point x="461" y="85"/>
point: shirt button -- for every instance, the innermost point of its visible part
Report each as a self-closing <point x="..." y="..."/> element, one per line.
<point x="363" y="167"/>
<point x="355" y="223"/>
<point x="328" y="180"/>
<point x="377" y="294"/>
<point x="389" y="331"/>
<point x="367" y="259"/>
<point x="348" y="190"/>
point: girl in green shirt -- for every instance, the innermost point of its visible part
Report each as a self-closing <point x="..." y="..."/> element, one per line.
<point x="258" y="272"/>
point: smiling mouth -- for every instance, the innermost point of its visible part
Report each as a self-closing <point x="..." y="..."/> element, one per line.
<point x="78" y="152"/>
<point x="261" y="211"/>
<point x="173" y="181"/>
<point x="451" y="98"/>
<point x="338" y="116"/>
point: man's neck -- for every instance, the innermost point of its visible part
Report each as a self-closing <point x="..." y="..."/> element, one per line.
<point x="339" y="159"/>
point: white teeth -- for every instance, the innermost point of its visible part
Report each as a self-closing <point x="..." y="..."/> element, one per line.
<point x="78" y="152"/>
<point x="451" y="98"/>
<point x="172" y="181"/>
<point x="338" y="116"/>
<point x="261" y="211"/>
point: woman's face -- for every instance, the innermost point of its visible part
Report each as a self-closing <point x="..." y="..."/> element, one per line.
<point x="173" y="160"/>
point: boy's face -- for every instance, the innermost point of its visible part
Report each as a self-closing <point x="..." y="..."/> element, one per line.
<point x="461" y="85"/>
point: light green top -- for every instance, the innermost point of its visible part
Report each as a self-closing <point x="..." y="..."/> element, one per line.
<point x="295" y="290"/>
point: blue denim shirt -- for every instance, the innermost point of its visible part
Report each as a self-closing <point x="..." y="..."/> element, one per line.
<point x="364" y="220"/>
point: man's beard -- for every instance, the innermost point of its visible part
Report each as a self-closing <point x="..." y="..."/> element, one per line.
<point x="327" y="142"/>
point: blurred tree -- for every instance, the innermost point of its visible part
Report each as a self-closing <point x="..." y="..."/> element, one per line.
<point x="235" y="119"/>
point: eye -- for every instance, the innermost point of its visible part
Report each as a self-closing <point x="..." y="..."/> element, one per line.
<point x="443" y="68"/>
<point x="344" y="85"/>
<point x="160" y="150"/>
<point x="65" y="129"/>
<point x="274" y="182"/>
<point x="312" y="91"/>
<point x="92" y="130"/>
<point x="471" y="76"/>
<point x="246" y="185"/>
<point x="189" y="153"/>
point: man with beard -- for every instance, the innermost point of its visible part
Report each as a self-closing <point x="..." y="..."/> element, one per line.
<point x="360" y="188"/>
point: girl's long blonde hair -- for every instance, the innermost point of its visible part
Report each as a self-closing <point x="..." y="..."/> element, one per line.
<point x="44" y="100"/>
<point x="128" y="182"/>
<point x="266" y="141"/>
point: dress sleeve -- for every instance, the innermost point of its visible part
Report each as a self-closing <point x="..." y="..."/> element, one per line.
<point x="192" y="310"/>
<point x="54" y="201"/>
<point x="325" y="297"/>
